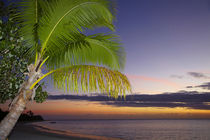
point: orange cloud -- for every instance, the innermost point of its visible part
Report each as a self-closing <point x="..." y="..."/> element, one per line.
<point x="152" y="79"/>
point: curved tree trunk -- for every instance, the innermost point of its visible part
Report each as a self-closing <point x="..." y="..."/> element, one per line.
<point x="18" y="107"/>
<point x="10" y="120"/>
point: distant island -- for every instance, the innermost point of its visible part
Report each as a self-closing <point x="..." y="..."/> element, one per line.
<point x="25" y="117"/>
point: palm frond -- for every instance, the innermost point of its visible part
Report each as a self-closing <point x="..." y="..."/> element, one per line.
<point x="88" y="78"/>
<point x="98" y="49"/>
<point x="28" y="17"/>
<point x="64" y="18"/>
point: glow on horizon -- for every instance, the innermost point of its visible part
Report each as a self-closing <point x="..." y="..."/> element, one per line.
<point x="151" y="85"/>
<point x="93" y="110"/>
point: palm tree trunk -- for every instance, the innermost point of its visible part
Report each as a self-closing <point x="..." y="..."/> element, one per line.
<point x="18" y="107"/>
<point x="10" y="120"/>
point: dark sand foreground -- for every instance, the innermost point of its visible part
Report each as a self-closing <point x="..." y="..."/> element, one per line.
<point x="30" y="132"/>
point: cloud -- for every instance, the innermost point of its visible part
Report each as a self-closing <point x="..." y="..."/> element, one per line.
<point x="193" y="100"/>
<point x="192" y="105"/>
<point x="177" y="76"/>
<point x="204" y="86"/>
<point x="152" y="79"/>
<point x="79" y="97"/>
<point x="198" y="75"/>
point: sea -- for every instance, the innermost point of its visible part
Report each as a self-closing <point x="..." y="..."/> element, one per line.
<point x="135" y="129"/>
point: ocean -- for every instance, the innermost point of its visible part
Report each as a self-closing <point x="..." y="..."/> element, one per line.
<point x="136" y="129"/>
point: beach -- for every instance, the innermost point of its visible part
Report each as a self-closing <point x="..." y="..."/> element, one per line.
<point x="113" y="130"/>
<point x="25" y="131"/>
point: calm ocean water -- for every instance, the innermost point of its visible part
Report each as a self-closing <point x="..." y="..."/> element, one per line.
<point x="137" y="129"/>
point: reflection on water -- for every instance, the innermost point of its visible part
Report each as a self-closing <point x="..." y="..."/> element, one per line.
<point x="138" y="129"/>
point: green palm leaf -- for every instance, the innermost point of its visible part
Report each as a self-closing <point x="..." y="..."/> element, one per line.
<point x="98" y="49"/>
<point x="88" y="78"/>
<point x="54" y="30"/>
<point x="64" y="18"/>
<point x="28" y="16"/>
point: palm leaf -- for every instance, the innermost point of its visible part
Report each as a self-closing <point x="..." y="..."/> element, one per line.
<point x="64" y="18"/>
<point x="98" y="49"/>
<point x="88" y="78"/>
<point x="28" y="17"/>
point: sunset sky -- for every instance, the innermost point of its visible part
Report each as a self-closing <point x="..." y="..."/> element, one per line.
<point x="166" y="42"/>
<point x="168" y="51"/>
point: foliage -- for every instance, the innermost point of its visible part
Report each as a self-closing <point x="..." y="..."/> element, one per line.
<point x="88" y="78"/>
<point x="27" y="116"/>
<point x="41" y="95"/>
<point x="99" y="49"/>
<point x="5" y="10"/>
<point x="55" y="32"/>
<point x="13" y="62"/>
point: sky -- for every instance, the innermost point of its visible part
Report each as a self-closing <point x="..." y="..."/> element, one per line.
<point x="164" y="41"/>
<point x="167" y="43"/>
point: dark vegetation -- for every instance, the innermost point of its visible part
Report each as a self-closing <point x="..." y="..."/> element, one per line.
<point x="25" y="117"/>
<point x="14" y="57"/>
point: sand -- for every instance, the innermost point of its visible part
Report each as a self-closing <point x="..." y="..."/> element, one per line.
<point x="23" y="131"/>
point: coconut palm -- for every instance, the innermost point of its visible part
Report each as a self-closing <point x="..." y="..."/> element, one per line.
<point x="54" y="31"/>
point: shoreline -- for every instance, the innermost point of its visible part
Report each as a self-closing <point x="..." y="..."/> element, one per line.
<point x="26" y="131"/>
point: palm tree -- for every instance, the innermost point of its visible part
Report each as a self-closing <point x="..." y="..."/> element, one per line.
<point x="54" y="31"/>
